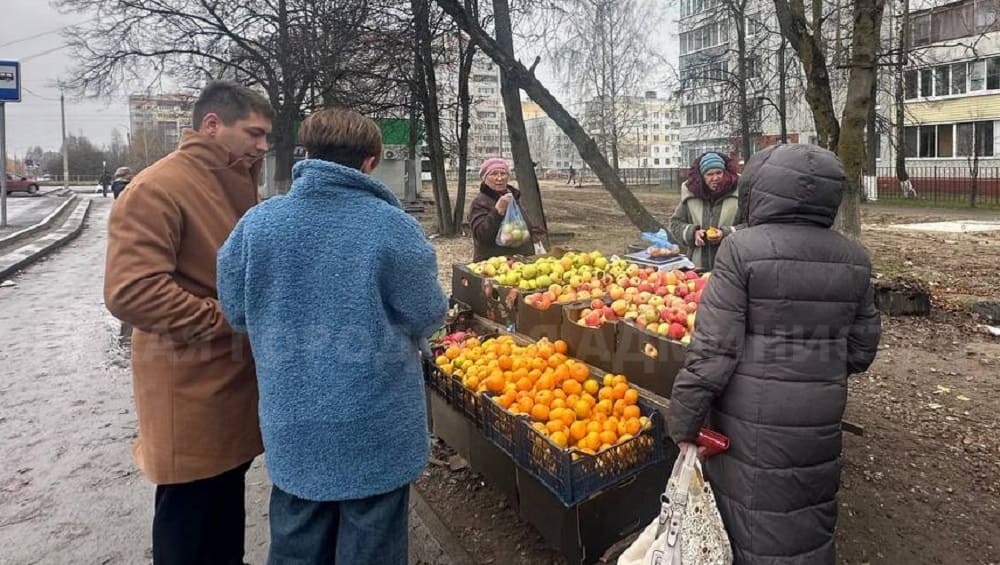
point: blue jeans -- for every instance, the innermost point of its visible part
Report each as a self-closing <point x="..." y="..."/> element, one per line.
<point x="367" y="531"/>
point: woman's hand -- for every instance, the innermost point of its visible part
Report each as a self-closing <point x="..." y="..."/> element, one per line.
<point x="699" y="238"/>
<point x="684" y="446"/>
<point x="503" y="202"/>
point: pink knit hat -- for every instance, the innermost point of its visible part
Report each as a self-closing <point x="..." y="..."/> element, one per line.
<point x="494" y="164"/>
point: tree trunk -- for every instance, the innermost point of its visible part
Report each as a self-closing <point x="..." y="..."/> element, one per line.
<point x="904" y="49"/>
<point x="524" y="165"/>
<point x="427" y="83"/>
<point x="808" y="45"/>
<point x="585" y="145"/>
<point x="464" y="103"/>
<point x="284" y="147"/>
<point x="782" y="97"/>
<point x="851" y="147"/>
<point x="746" y="143"/>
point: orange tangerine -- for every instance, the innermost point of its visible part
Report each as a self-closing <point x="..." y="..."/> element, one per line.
<point x="582" y="409"/>
<point x="631" y="396"/>
<point x="591" y="386"/>
<point x="609" y="437"/>
<point x="525" y="404"/>
<point x="619" y="390"/>
<point x="605" y="393"/>
<point x="540" y="412"/>
<point x="579" y="371"/>
<point x="560" y="346"/>
<point x="555" y="425"/>
<point x="594" y="427"/>
<point x="572" y="387"/>
<point x="631" y="411"/>
<point x="578" y="430"/>
<point x="559" y="438"/>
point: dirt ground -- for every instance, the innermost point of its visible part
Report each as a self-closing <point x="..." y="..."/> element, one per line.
<point x="922" y="485"/>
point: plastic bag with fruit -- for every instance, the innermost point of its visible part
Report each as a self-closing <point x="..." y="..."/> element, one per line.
<point x="513" y="230"/>
<point x="662" y="245"/>
<point x="689" y="529"/>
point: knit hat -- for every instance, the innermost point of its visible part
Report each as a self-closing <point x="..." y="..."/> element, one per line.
<point x="490" y="165"/>
<point x="711" y="161"/>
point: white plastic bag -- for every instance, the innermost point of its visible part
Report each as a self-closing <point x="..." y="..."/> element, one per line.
<point x="689" y="529"/>
<point x="513" y="229"/>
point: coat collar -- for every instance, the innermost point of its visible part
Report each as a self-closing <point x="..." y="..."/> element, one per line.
<point x="315" y="177"/>
<point x="212" y="154"/>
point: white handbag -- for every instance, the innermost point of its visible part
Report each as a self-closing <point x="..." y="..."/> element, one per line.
<point x="689" y="529"/>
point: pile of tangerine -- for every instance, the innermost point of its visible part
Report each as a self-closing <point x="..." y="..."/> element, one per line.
<point x="556" y="392"/>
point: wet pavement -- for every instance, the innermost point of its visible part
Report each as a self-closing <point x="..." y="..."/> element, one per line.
<point x="24" y="211"/>
<point x="69" y="489"/>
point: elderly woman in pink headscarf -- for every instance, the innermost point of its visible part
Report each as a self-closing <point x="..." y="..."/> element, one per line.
<point x="488" y="209"/>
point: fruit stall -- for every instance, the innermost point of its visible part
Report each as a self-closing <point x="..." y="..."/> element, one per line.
<point x="552" y="378"/>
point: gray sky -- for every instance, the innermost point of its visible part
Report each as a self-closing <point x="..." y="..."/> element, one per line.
<point x="35" y="120"/>
<point x="30" y="34"/>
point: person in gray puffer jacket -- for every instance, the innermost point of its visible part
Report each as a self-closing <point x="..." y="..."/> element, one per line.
<point x="787" y="315"/>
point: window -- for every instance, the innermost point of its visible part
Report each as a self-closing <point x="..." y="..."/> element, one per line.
<point x="910" y="134"/>
<point x="993" y="73"/>
<point x="963" y="148"/>
<point x="753" y="67"/>
<point x="984" y="139"/>
<point x="656" y="149"/>
<point x="987" y="12"/>
<point x="921" y="29"/>
<point x="911" y="79"/>
<point x="958" y="78"/>
<point x="656" y="138"/>
<point x="977" y="74"/>
<point x="925" y="83"/>
<point x="942" y="80"/>
<point x="928" y="142"/>
<point x="952" y="22"/>
<point x="945" y="140"/>
<point x="656" y="161"/>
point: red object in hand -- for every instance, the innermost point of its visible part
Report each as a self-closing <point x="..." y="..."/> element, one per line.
<point x="713" y="442"/>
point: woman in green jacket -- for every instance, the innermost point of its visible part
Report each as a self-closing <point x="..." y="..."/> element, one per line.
<point x="709" y="209"/>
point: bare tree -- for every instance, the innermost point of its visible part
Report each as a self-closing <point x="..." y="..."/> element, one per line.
<point x="524" y="165"/>
<point x="526" y="80"/>
<point x="602" y="52"/>
<point x="301" y="53"/>
<point x="847" y="135"/>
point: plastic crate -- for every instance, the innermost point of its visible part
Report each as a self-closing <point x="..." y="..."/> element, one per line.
<point x="438" y="381"/>
<point x="500" y="426"/>
<point x="574" y="476"/>
<point x="468" y="402"/>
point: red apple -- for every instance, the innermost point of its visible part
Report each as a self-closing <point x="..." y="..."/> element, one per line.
<point x="676" y="331"/>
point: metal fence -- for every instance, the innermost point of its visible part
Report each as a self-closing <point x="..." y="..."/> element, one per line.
<point x="946" y="185"/>
<point x="670" y="178"/>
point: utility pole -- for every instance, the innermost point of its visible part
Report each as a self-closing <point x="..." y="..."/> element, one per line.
<point x="3" y="157"/>
<point x="65" y="149"/>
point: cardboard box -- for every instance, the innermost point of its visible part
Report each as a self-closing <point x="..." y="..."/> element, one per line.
<point x="584" y="532"/>
<point x="536" y="323"/>
<point x="594" y="346"/>
<point x="649" y="361"/>
<point x="500" y="303"/>
<point x="467" y="288"/>
<point x="462" y="435"/>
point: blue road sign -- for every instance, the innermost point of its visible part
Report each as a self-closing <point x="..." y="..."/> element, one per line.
<point x="10" y="81"/>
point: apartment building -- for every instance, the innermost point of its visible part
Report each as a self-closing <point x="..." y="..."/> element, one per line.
<point x="647" y="129"/>
<point x="951" y="89"/>
<point x="163" y="116"/>
<point x="708" y="64"/>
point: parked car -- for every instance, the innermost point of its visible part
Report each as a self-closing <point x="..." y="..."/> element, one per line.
<point x="22" y="184"/>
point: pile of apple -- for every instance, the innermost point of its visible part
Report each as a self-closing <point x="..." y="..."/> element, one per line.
<point x="660" y="302"/>
<point x="572" y="277"/>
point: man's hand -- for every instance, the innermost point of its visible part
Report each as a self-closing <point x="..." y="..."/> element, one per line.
<point x="699" y="238"/>
<point x="503" y="202"/>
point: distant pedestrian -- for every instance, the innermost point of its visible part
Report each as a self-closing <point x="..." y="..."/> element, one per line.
<point x="123" y="176"/>
<point x="572" y="176"/>
<point x="193" y="378"/>
<point x="105" y="182"/>
<point x="336" y="286"/>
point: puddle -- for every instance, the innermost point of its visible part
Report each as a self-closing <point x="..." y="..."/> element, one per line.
<point x="956" y="226"/>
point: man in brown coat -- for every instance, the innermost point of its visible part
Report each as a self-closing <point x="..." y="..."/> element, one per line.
<point x="194" y="383"/>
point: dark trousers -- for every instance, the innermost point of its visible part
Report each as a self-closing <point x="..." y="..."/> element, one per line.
<point x="201" y="522"/>
<point x="367" y="531"/>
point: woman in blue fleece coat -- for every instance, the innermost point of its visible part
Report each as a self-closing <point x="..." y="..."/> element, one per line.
<point x="336" y="285"/>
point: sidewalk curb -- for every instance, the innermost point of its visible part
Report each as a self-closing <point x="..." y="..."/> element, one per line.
<point x="16" y="260"/>
<point x="431" y="542"/>
<point x="42" y="225"/>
